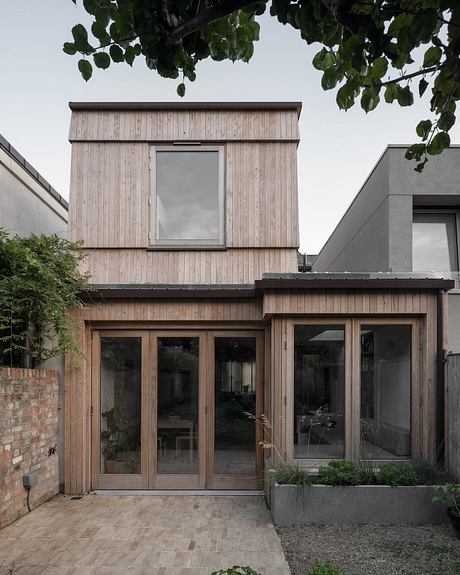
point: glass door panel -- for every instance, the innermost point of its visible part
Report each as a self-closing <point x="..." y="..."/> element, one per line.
<point x="119" y="410"/>
<point x="235" y="461"/>
<point x="177" y="405"/>
<point x="120" y="405"/>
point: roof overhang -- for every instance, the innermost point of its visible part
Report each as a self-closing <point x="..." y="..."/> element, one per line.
<point x="126" y="106"/>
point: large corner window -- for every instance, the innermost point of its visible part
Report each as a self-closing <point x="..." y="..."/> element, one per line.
<point x="188" y="196"/>
<point x="434" y="242"/>
<point x="319" y="386"/>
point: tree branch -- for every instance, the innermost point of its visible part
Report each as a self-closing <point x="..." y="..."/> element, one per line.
<point x="205" y="17"/>
<point x="413" y="75"/>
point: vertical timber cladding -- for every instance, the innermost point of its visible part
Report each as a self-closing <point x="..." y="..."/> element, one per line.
<point x="124" y="315"/>
<point x="420" y="306"/>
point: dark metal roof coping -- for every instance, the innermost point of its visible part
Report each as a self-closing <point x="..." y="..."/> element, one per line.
<point x="11" y="151"/>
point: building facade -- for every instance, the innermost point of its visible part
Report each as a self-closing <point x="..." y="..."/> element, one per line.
<point x="199" y="323"/>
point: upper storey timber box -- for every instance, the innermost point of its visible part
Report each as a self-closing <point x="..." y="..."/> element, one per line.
<point x="208" y="177"/>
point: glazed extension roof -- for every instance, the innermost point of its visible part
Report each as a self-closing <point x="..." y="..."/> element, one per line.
<point x="8" y="148"/>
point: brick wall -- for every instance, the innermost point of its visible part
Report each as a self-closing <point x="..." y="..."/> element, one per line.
<point x="28" y="434"/>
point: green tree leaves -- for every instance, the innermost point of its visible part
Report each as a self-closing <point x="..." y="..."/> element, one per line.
<point x="86" y="70"/>
<point x="370" y="51"/>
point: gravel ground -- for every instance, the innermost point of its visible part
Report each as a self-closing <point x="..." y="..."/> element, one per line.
<point x="373" y="549"/>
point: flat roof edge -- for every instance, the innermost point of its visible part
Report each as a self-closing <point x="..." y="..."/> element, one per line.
<point x="11" y="151"/>
<point x="80" y="106"/>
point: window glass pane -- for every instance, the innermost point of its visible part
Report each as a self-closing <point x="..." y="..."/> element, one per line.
<point x="187" y="195"/>
<point x="120" y="417"/>
<point x="319" y="383"/>
<point x="385" y="391"/>
<point x="235" y="395"/>
<point x="433" y="242"/>
<point x="177" y="422"/>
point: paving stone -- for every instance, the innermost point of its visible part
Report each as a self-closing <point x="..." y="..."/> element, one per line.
<point x="142" y="535"/>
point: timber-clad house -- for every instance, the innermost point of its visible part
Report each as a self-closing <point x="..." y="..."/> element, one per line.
<point x="199" y="314"/>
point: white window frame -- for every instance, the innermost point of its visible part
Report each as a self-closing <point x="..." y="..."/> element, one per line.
<point x="455" y="247"/>
<point x="154" y="241"/>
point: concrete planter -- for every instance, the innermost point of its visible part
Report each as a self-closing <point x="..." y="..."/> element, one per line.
<point x="324" y="504"/>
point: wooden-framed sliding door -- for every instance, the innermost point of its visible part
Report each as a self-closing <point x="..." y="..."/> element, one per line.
<point x="170" y="409"/>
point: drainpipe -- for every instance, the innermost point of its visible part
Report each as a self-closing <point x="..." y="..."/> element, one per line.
<point x="440" y="381"/>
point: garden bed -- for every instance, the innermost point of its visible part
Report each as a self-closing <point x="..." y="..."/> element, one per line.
<point x="336" y="505"/>
<point x="373" y="549"/>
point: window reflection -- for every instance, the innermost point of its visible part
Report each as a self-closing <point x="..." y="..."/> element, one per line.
<point x="187" y="195"/>
<point x="120" y="416"/>
<point x="434" y="246"/>
<point x="235" y="395"/>
<point x="385" y="391"/>
<point x="177" y="423"/>
<point x="319" y="380"/>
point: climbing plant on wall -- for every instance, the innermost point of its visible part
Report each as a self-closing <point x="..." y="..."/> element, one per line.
<point x="39" y="284"/>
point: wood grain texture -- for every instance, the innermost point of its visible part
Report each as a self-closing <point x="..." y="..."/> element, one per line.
<point x="236" y="266"/>
<point x="110" y="188"/>
<point x="350" y="302"/>
<point x="177" y="125"/>
<point x="230" y="310"/>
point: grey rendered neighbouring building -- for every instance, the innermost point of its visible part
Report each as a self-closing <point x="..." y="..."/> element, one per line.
<point x="403" y="222"/>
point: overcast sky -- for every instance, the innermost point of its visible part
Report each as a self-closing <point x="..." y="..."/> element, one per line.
<point x="337" y="149"/>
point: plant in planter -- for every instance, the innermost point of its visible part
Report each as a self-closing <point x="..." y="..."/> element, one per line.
<point x="397" y="474"/>
<point x="339" y="472"/>
<point x="291" y="474"/>
<point x="450" y="494"/>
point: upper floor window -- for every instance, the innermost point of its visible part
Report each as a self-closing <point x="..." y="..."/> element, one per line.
<point x="434" y="241"/>
<point x="188" y="196"/>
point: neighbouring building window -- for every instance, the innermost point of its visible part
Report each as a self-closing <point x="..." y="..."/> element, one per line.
<point x="434" y="245"/>
<point x="385" y="392"/>
<point x="319" y="387"/>
<point x="188" y="202"/>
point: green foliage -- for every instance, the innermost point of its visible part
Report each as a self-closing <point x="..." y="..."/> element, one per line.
<point x="395" y="474"/>
<point x="39" y="282"/>
<point x="450" y="494"/>
<point x="291" y="474"/>
<point x="428" y="473"/>
<point x="367" y="48"/>
<point x="339" y="472"/>
<point x="236" y="570"/>
<point x="324" y="569"/>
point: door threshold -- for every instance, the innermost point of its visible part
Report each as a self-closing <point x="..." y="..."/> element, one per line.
<point x="194" y="492"/>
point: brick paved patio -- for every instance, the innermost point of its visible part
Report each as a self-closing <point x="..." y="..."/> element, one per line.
<point x="135" y="535"/>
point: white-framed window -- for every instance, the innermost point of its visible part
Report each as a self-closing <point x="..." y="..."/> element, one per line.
<point x="187" y="196"/>
<point x="434" y="241"/>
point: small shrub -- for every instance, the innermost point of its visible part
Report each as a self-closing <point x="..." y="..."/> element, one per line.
<point x="397" y="474"/>
<point x="339" y="472"/>
<point x="291" y="474"/>
<point x="430" y="474"/>
<point x="450" y="494"/>
<point x="324" y="569"/>
<point x="236" y="570"/>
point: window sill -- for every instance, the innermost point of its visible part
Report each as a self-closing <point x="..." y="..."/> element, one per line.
<point x="202" y="248"/>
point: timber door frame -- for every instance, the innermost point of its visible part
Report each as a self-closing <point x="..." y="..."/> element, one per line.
<point x="234" y="481"/>
<point x="112" y="480"/>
